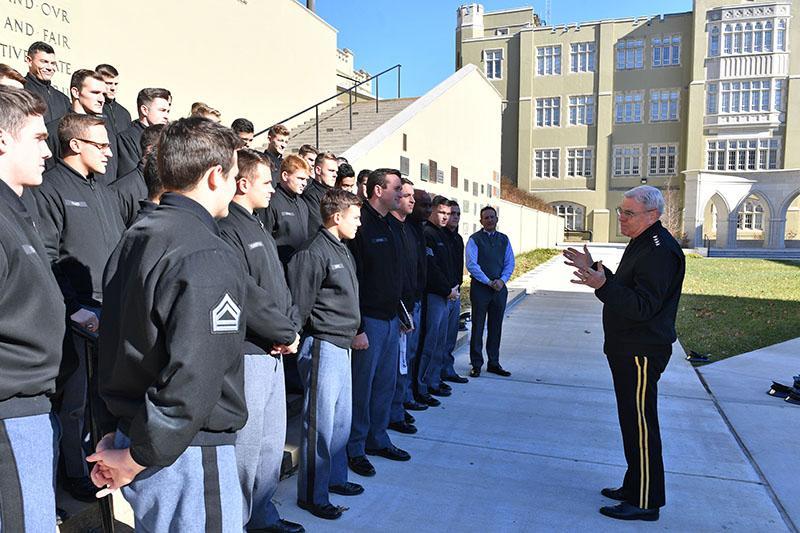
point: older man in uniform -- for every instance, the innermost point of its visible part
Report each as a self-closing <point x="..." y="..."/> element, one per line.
<point x="640" y="302"/>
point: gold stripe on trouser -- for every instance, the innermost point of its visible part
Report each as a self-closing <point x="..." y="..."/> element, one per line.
<point x="644" y="448"/>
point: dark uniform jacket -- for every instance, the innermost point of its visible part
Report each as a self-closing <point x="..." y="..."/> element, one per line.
<point x="58" y="103"/>
<point x="422" y="257"/>
<point x="275" y="167"/>
<point x="440" y="264"/>
<point x="271" y="317"/>
<point x="456" y="243"/>
<point x="112" y="166"/>
<point x="31" y="314"/>
<point x="377" y="253"/>
<point x="641" y="298"/>
<point x="312" y="196"/>
<point x="286" y="219"/>
<point x="145" y="208"/>
<point x="130" y="190"/>
<point x="117" y="115"/>
<point x="80" y="227"/>
<point x="129" y="145"/>
<point x="325" y="290"/>
<point x="411" y="257"/>
<point x="170" y="366"/>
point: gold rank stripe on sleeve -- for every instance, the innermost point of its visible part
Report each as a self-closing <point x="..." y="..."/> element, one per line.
<point x="644" y="452"/>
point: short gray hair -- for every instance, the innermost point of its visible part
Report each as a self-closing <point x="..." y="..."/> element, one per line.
<point x="648" y="196"/>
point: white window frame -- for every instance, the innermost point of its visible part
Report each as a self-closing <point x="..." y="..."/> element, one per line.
<point x="548" y="159"/>
<point x="712" y="98"/>
<point x="750" y="216"/>
<point x="572" y="213"/>
<point x="629" y="54"/>
<point x="738" y="96"/>
<point x="581" y="110"/>
<point x="582" y="57"/>
<point x="746" y="154"/>
<point x="754" y="37"/>
<point x="580" y="162"/>
<point x="666" y="51"/>
<point x="548" y="60"/>
<point x="714" y="42"/>
<point x="548" y="112"/>
<point x="626" y="160"/>
<point x="490" y="56"/>
<point x="662" y="159"/>
<point x="628" y="107"/>
<point x="665" y="105"/>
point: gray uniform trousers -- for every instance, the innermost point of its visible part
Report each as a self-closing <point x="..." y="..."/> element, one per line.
<point x="327" y="410"/>
<point x="198" y="492"/>
<point x="403" y="391"/>
<point x="27" y="499"/>
<point x="430" y="359"/>
<point x="453" y="312"/>
<point x="260" y="443"/>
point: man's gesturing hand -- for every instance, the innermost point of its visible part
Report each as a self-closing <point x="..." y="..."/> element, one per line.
<point x="577" y="259"/>
<point x="590" y="277"/>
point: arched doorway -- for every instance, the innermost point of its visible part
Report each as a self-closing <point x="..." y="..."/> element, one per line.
<point x="752" y="221"/>
<point x="715" y="222"/>
<point x="792" y="233"/>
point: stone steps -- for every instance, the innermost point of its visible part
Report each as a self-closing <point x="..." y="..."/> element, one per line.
<point x="789" y="254"/>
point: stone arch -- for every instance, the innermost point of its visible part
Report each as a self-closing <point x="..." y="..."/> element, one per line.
<point x="715" y="219"/>
<point x="790" y="214"/>
<point x="752" y="215"/>
<point x="573" y="213"/>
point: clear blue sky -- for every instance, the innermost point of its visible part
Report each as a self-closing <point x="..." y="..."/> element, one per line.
<point x="420" y="34"/>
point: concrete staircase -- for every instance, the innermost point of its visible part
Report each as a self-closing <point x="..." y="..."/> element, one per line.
<point x="335" y="134"/>
<point x="785" y="254"/>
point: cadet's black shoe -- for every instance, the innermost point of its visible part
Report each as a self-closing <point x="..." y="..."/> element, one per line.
<point x="779" y="390"/>
<point x="499" y="370"/>
<point x="474" y="372"/>
<point x="415" y="406"/>
<point x="361" y="466"/>
<point x="409" y="418"/>
<point x="348" y="489"/>
<point x="429" y="400"/>
<point x="614" y="494"/>
<point x="282" y="526"/>
<point x="439" y="392"/>
<point x="456" y="379"/>
<point x="403" y="427"/>
<point x="626" y="511"/>
<point x="391" y="452"/>
<point x="81" y="488"/>
<point x="445" y="386"/>
<point x="327" y="511"/>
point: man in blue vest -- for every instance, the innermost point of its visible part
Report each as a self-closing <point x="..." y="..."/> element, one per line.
<point x="490" y="262"/>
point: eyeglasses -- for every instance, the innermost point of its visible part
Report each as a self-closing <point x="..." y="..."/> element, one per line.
<point x="630" y="214"/>
<point x="99" y="146"/>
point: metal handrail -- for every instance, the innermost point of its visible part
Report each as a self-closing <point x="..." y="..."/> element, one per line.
<point x="349" y="93"/>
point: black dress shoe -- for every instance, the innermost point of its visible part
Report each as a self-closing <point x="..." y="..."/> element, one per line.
<point x="282" y="526"/>
<point x="391" y="452"/>
<point x="348" y="489"/>
<point x="80" y="488"/>
<point x="456" y="379"/>
<point x="429" y="400"/>
<point x="409" y="418"/>
<point x="327" y="511"/>
<point x="403" y="427"/>
<point x="626" y="511"/>
<point x="499" y="370"/>
<point x="474" y="372"/>
<point x="445" y="386"/>
<point x="615" y="494"/>
<point x="415" y="406"/>
<point x="361" y="466"/>
<point x="439" y="392"/>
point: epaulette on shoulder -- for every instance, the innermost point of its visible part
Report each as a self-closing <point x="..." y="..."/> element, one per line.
<point x="656" y="240"/>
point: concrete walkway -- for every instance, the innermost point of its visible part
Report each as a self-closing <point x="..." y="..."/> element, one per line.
<point x="531" y="452"/>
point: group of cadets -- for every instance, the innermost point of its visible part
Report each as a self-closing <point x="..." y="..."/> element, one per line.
<point x="217" y="277"/>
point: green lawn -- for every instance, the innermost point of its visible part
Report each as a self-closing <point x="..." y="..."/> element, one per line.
<point x="522" y="264"/>
<point x="733" y="306"/>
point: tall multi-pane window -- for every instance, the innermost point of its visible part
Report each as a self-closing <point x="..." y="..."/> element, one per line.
<point x="664" y="105"/>
<point x="743" y="154"/>
<point x="713" y="42"/>
<point x="546" y="163"/>
<point x="579" y="162"/>
<point x="778" y="104"/>
<point x="548" y="112"/>
<point x="750" y="215"/>
<point x="494" y="64"/>
<point x="548" y="60"/>
<point x="630" y="54"/>
<point x="627" y="160"/>
<point x="780" y="37"/>
<point x="666" y="50"/>
<point x="581" y="110"/>
<point x="582" y="57"/>
<point x="745" y="96"/>
<point x="712" y="102"/>
<point x="752" y="37"/>
<point x="571" y="213"/>
<point x="662" y="159"/>
<point x="628" y="107"/>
